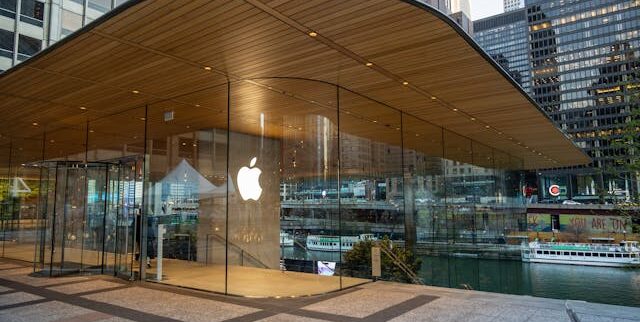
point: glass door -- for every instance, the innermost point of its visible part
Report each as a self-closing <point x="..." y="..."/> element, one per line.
<point x="90" y="213"/>
<point x="125" y="209"/>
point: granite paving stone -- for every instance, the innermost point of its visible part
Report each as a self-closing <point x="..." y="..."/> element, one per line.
<point x="17" y="297"/>
<point x="176" y="306"/>
<point x="102" y="298"/>
<point x="359" y="304"/>
<point x="82" y="287"/>
<point x="48" y="311"/>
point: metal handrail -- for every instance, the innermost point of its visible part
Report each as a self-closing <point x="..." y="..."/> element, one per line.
<point x="400" y="264"/>
<point x="242" y="251"/>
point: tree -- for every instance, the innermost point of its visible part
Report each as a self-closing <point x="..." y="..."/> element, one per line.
<point x="626" y="141"/>
<point x="357" y="261"/>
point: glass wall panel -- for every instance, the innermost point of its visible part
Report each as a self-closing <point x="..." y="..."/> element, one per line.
<point x="483" y="187"/>
<point x="5" y="185"/>
<point x="460" y="193"/>
<point x="113" y="192"/>
<point x="371" y="177"/>
<point x="424" y="180"/>
<point x="186" y="190"/>
<point x="283" y="161"/>
<point x="20" y="218"/>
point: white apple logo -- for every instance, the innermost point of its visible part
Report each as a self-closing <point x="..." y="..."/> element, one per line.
<point x="249" y="181"/>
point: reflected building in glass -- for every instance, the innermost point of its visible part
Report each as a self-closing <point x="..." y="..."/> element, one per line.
<point x="251" y="162"/>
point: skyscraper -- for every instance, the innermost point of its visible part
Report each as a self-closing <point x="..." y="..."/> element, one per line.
<point x="42" y="23"/>
<point x="511" y="5"/>
<point x="21" y="30"/>
<point x="504" y="37"/>
<point x="461" y="6"/>
<point x="583" y="57"/>
<point x="458" y="10"/>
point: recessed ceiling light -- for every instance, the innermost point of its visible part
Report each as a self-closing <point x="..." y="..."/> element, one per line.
<point x="197" y="105"/>
<point x="405" y="83"/>
<point x="374" y="121"/>
<point x="143" y="119"/>
<point x="183" y="143"/>
<point x="207" y="68"/>
<point x="52" y="141"/>
<point x="433" y="98"/>
<point x="135" y="91"/>
<point x="91" y="131"/>
<point x="455" y="109"/>
<point x="83" y="108"/>
<point x="35" y="124"/>
<point x="369" y="64"/>
<point x="487" y="126"/>
<point x="313" y="33"/>
<point x="473" y="118"/>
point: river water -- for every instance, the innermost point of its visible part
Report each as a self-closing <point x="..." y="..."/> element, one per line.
<point x="619" y="286"/>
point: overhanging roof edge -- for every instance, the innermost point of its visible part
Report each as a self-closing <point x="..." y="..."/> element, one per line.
<point x="491" y="61"/>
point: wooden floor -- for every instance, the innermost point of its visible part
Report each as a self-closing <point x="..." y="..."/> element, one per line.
<point x="242" y="280"/>
<point x="249" y="281"/>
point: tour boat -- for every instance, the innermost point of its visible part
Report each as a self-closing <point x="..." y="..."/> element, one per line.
<point x="627" y="253"/>
<point x="286" y="240"/>
<point x="335" y="243"/>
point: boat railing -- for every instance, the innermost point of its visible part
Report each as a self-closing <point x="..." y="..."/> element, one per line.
<point x="583" y="247"/>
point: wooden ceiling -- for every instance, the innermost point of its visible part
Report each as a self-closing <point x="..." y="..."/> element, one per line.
<point x="401" y="55"/>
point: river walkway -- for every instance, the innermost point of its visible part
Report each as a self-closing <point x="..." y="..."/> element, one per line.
<point x="99" y="298"/>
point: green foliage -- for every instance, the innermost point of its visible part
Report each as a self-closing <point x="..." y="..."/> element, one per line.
<point x="357" y="262"/>
<point x="626" y="140"/>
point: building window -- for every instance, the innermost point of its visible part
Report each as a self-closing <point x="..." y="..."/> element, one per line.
<point x="71" y="22"/>
<point x="33" y="9"/>
<point x="100" y="5"/>
<point x="8" y="5"/>
<point x="6" y="40"/>
<point x="29" y="46"/>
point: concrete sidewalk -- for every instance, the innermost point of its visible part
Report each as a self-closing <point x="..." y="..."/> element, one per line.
<point x="99" y="298"/>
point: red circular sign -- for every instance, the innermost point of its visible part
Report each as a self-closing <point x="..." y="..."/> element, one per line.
<point x="554" y="190"/>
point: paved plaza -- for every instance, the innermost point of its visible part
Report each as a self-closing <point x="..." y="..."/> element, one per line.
<point x="24" y="297"/>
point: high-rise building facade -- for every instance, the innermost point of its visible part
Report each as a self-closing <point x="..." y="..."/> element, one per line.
<point x="584" y="59"/>
<point x="21" y="30"/>
<point x="461" y="6"/>
<point x="510" y="5"/>
<point x="42" y="23"/>
<point x="458" y="10"/>
<point x="504" y="37"/>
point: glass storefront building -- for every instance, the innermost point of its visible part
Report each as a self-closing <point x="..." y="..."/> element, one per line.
<point x="254" y="186"/>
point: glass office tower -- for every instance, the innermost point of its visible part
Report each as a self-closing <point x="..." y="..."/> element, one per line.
<point x="585" y="62"/>
<point x="505" y="38"/>
<point x="41" y="23"/>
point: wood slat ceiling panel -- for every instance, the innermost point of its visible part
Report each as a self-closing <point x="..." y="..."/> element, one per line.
<point x="161" y="47"/>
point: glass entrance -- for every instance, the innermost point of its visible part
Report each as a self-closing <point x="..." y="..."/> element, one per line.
<point x="90" y="213"/>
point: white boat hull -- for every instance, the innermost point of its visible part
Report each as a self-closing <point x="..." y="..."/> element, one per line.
<point x="579" y="262"/>
<point x="626" y="254"/>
